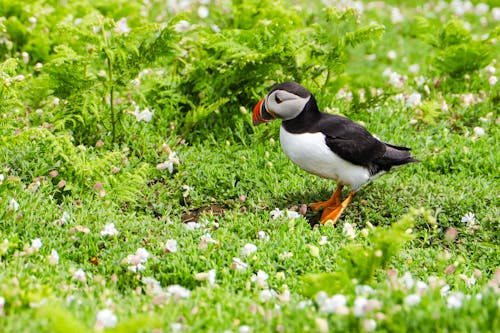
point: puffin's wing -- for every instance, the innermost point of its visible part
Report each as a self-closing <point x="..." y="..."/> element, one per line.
<point x="350" y="141"/>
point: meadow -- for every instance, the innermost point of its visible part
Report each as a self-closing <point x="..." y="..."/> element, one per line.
<point x="136" y="196"/>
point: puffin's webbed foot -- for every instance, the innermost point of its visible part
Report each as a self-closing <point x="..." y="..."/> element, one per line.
<point x="331" y="203"/>
<point x="334" y="213"/>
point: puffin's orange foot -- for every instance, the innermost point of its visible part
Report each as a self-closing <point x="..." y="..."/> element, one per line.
<point x="333" y="214"/>
<point x="331" y="203"/>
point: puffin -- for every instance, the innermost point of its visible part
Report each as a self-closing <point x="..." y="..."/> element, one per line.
<point x="327" y="145"/>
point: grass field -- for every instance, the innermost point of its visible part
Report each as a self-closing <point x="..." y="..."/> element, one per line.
<point x="136" y="196"/>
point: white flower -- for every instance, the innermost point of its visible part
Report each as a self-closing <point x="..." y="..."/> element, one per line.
<point x="266" y="295"/>
<point x="359" y="306"/>
<point x="192" y="225"/>
<point x="144" y="115"/>
<point x="454" y="300"/>
<point x="170" y="246"/>
<point x="276" y="213"/>
<point x="392" y="55"/>
<point x="292" y="214"/>
<point x="469" y="219"/>
<point x="481" y="9"/>
<point x="238" y="264"/>
<point x="245" y="329"/>
<point x="260" y="279"/>
<point x="323" y="240"/>
<point x="421" y="287"/>
<point x="153" y="286"/>
<point x="407" y="281"/>
<point x="415" y="99"/>
<point x="53" y="258"/>
<point x="13" y="205"/>
<point x="137" y="260"/>
<point x="109" y="230"/>
<point x="415" y="68"/>
<point x="493" y="80"/>
<point x="335" y="304"/>
<point x="369" y="325"/>
<point x="178" y="291"/>
<point x="285" y="255"/>
<point x="79" y="275"/>
<point x="349" y="230"/>
<point x="182" y="26"/>
<point x="207" y="276"/>
<point x="65" y="217"/>
<point x="396" y="15"/>
<point x="412" y="299"/>
<point x="363" y="289"/>
<point x="105" y="319"/>
<point x="2" y="304"/>
<point x="262" y="235"/>
<point x="36" y="244"/>
<point x="2" y="178"/>
<point x="26" y="57"/>
<point x="495" y="12"/>
<point x="248" y="249"/>
<point x="169" y="163"/>
<point x="203" y="12"/>
<point x="205" y="240"/>
<point x="122" y="27"/>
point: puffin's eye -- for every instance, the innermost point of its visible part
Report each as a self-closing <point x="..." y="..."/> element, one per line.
<point x="277" y="99"/>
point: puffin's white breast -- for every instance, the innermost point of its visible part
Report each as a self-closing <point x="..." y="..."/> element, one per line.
<point x="310" y="152"/>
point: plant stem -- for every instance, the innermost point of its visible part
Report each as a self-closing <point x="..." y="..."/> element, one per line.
<point x="111" y="102"/>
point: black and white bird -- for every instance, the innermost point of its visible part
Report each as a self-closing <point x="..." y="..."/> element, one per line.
<point x="329" y="146"/>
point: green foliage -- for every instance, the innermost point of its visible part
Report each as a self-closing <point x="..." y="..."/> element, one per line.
<point x="359" y="262"/>
<point x="456" y="53"/>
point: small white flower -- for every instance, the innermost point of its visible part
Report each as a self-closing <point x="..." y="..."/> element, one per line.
<point x="392" y="55"/>
<point x="169" y="163"/>
<point x="276" y="213"/>
<point x="248" y="249"/>
<point x="335" y="304"/>
<point x="260" y="279"/>
<point x="262" y="235"/>
<point x="369" y="325"/>
<point x="267" y="295"/>
<point x="454" y="300"/>
<point x="203" y="12"/>
<point x="363" y="289"/>
<point x="109" y="230"/>
<point x="205" y="240"/>
<point x="421" y="287"/>
<point x="192" y="225"/>
<point x="13" y="205"/>
<point x="182" y="26"/>
<point x="238" y="265"/>
<point x="481" y="9"/>
<point x="415" y="68"/>
<point x="292" y="214"/>
<point x="36" y="244"/>
<point x="285" y="255"/>
<point x="122" y="27"/>
<point x="144" y="115"/>
<point x="178" y="291"/>
<point x="493" y="80"/>
<point x="142" y="253"/>
<point x="105" y="319"/>
<point x="26" y="57"/>
<point x="415" y="99"/>
<point x="207" y="276"/>
<point x="137" y="260"/>
<point x="359" y="307"/>
<point x="323" y="240"/>
<point x="65" y="217"/>
<point x="469" y="219"/>
<point x="407" y="280"/>
<point x="2" y="178"/>
<point x="349" y="230"/>
<point x="2" y="304"/>
<point x="170" y="246"/>
<point x="53" y="258"/>
<point x="412" y="299"/>
<point x="495" y="12"/>
<point x="245" y="329"/>
<point x="79" y="275"/>
<point x="396" y="15"/>
<point x="153" y="286"/>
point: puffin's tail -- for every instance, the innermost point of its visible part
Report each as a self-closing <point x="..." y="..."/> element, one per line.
<point x="394" y="156"/>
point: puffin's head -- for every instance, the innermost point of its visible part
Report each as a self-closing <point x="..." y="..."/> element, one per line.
<point x="285" y="101"/>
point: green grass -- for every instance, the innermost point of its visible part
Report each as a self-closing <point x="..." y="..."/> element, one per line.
<point x="229" y="179"/>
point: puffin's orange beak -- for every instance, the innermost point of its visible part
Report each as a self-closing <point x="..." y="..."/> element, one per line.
<point x="261" y="114"/>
